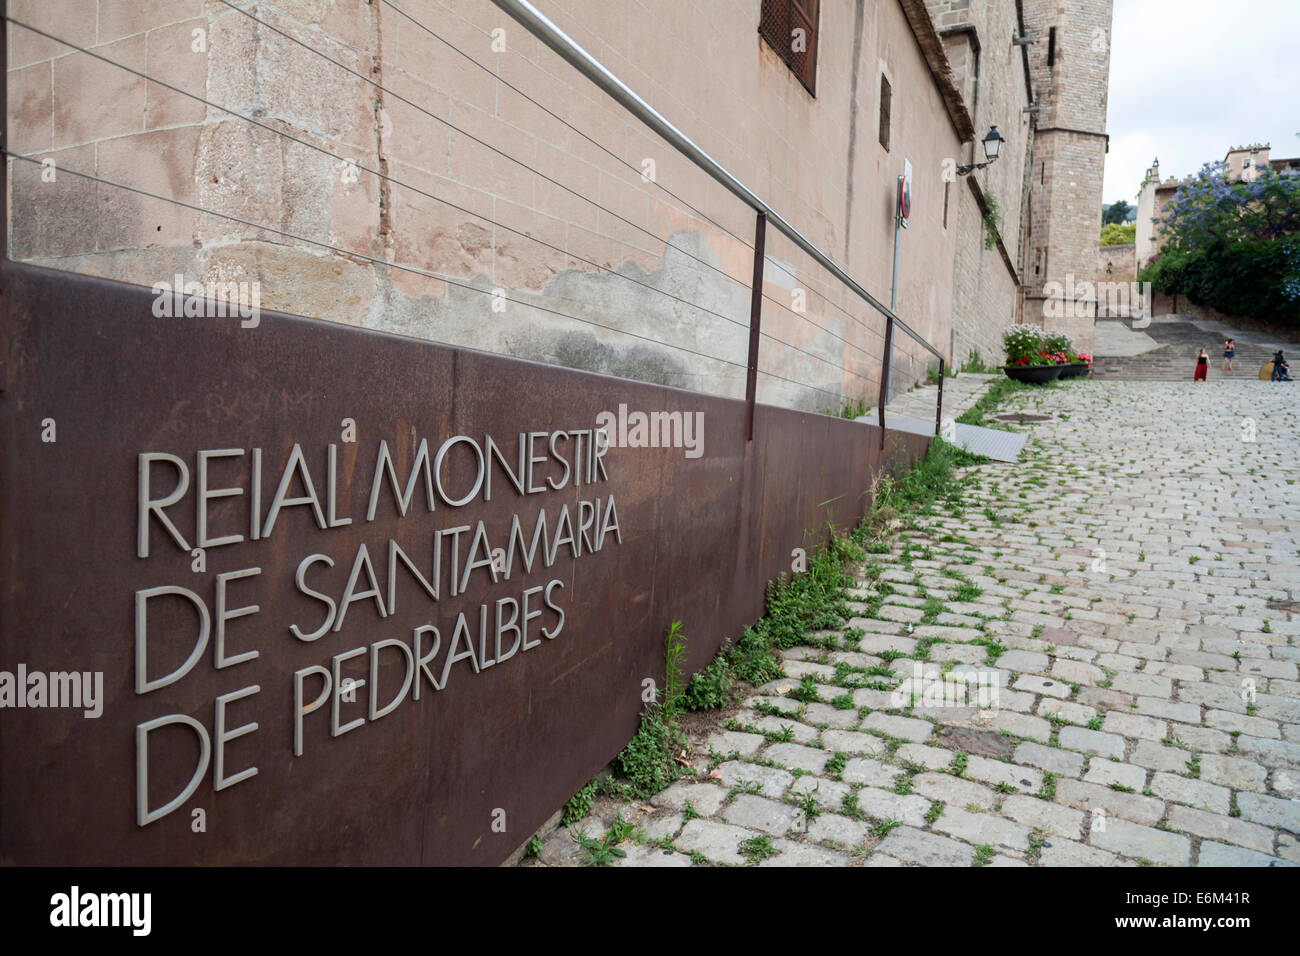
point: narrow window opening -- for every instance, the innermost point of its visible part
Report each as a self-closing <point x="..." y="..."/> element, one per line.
<point x="885" y="100"/>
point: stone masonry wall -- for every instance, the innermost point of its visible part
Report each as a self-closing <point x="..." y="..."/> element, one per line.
<point x="1117" y="263"/>
<point x="990" y="72"/>
<point x="1070" y="151"/>
<point x="523" y="241"/>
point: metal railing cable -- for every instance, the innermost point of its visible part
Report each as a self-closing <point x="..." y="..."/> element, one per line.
<point x="667" y="244"/>
<point x="536" y="23"/>
<point x="359" y="167"/>
<point x="541" y="106"/>
<point x="694" y="209"/>
<point x="447" y="279"/>
<point x="415" y="270"/>
<point x="353" y="254"/>
<point x="486" y="145"/>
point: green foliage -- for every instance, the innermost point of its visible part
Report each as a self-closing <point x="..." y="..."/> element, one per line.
<point x="852" y="409"/>
<point x="708" y="689"/>
<point x="757" y="848"/>
<point x="1234" y="246"/>
<point x="806" y="692"/>
<point x="975" y="364"/>
<point x="674" y="682"/>
<point x="752" y="658"/>
<point x="990" y="400"/>
<point x="916" y="491"/>
<point x="881" y="828"/>
<point x="1058" y="342"/>
<point x="579" y="804"/>
<point x="649" y="761"/>
<point x="601" y="852"/>
<point x="1113" y="234"/>
<point x="1116" y="213"/>
<point x="992" y="220"/>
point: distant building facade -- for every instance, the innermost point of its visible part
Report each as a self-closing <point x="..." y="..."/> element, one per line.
<point x="1241" y="164"/>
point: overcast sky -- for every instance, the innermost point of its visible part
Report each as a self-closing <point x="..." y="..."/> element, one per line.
<point x="1190" y="79"/>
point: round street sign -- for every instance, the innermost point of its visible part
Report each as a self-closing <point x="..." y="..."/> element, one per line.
<point x="905" y="194"/>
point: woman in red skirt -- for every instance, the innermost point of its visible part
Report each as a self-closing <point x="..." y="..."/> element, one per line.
<point x="1202" y="367"/>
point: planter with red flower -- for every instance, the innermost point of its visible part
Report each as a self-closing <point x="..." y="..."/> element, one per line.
<point x="1028" y="357"/>
<point x="1080" y="365"/>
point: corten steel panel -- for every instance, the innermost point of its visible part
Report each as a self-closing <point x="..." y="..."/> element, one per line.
<point x="700" y="538"/>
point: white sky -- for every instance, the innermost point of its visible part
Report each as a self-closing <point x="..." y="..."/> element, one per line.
<point x="1190" y="79"/>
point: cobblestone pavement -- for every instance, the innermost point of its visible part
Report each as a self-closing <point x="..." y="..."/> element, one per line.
<point x="1127" y="588"/>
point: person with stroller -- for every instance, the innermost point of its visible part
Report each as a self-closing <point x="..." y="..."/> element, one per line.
<point x="1281" y="371"/>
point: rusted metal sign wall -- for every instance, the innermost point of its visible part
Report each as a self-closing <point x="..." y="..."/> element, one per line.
<point x="294" y="592"/>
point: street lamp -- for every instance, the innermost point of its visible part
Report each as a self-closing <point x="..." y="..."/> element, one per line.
<point x="992" y="148"/>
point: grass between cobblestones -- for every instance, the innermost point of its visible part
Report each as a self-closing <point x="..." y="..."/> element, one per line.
<point x="1119" y="738"/>
<point x="797" y="606"/>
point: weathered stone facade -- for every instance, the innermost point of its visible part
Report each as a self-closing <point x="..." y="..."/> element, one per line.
<point x="426" y="167"/>
<point x="1116" y="263"/>
<point x="992" y="73"/>
<point x="1071" y="68"/>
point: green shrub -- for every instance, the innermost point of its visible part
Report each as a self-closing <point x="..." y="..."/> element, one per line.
<point x="674" y="681"/>
<point x="579" y="804"/>
<point x="708" y="689"/>
<point x="1234" y="246"/>
<point x="649" y="761"/>
<point x="752" y="658"/>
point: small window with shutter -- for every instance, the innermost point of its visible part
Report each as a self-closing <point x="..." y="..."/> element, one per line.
<point x="790" y="28"/>
<point x="885" y="95"/>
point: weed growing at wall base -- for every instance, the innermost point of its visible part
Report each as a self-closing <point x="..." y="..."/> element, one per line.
<point x="796" y="605"/>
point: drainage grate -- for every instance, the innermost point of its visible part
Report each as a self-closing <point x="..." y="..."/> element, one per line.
<point x="1021" y="418"/>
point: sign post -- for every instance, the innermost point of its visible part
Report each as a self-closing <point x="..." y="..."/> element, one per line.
<point x="902" y="212"/>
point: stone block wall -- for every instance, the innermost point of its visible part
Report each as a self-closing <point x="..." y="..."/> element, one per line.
<point x="990" y="72"/>
<point x="1070" y="60"/>
<point x="357" y="204"/>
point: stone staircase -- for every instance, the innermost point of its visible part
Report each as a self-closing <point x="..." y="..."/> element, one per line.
<point x="1175" y="342"/>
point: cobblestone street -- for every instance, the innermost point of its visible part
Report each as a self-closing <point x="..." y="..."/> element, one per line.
<point x="1116" y="614"/>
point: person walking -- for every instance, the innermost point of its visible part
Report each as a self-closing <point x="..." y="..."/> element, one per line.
<point x="1279" y="362"/>
<point x="1229" y="350"/>
<point x="1202" y="367"/>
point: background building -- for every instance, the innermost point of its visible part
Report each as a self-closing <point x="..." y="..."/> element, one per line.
<point x="1070" y="64"/>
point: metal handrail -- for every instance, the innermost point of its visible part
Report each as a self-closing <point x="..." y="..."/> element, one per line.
<point x="540" y="26"/>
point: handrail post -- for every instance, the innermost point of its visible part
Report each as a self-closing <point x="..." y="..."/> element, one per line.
<point x="4" y="132"/>
<point x="884" y="374"/>
<point x="755" y="320"/>
<point x="938" y="412"/>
